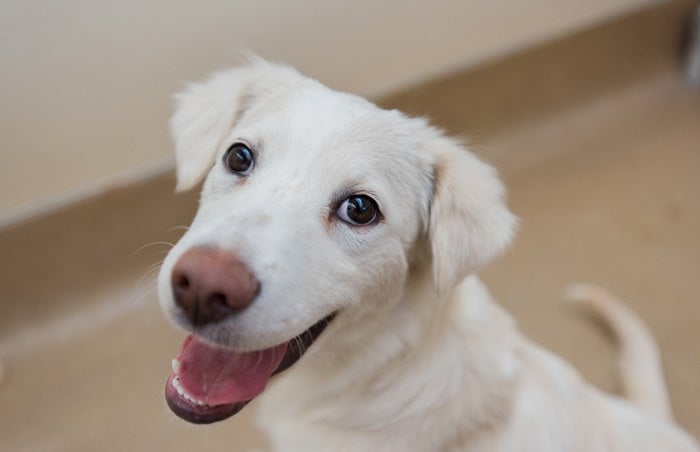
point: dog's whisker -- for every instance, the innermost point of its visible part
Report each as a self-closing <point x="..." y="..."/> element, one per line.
<point x="155" y="265"/>
<point x="277" y="353"/>
<point x="150" y="271"/>
<point x="153" y="268"/>
<point x="259" y="360"/>
<point x="141" y="296"/>
<point x="177" y="228"/>
<point x="300" y="345"/>
<point x="141" y="248"/>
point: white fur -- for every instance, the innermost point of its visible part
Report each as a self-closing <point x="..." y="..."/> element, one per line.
<point x="419" y="358"/>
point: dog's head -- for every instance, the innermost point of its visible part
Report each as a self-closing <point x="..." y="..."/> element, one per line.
<point x="315" y="205"/>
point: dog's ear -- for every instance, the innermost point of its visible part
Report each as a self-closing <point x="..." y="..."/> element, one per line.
<point x="203" y="116"/>
<point x="206" y="112"/>
<point x="469" y="222"/>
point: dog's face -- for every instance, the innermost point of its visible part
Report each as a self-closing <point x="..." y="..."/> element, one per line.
<point x="315" y="205"/>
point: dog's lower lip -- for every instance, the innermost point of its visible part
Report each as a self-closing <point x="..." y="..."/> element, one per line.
<point x="206" y="414"/>
<point x="197" y="414"/>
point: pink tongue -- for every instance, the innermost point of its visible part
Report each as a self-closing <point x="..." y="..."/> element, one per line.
<point x="219" y="376"/>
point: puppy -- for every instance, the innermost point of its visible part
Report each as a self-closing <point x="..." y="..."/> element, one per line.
<point x="335" y="245"/>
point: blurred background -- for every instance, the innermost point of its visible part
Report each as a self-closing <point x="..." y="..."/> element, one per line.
<point x="589" y="109"/>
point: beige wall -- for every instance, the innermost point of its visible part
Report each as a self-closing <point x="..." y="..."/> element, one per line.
<point x="85" y="84"/>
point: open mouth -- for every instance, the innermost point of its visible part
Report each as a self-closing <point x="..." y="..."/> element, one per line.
<point x="210" y="383"/>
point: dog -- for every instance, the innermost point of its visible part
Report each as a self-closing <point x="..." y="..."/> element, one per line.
<point x="330" y="271"/>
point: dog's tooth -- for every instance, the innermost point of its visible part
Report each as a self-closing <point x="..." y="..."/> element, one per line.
<point x="178" y="388"/>
<point x="176" y="366"/>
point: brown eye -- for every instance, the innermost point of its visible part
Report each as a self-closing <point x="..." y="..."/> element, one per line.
<point x="239" y="159"/>
<point x="358" y="210"/>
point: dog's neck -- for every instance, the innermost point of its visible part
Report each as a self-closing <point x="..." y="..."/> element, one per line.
<point x="425" y="371"/>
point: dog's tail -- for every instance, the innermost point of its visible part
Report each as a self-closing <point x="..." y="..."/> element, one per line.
<point x="640" y="364"/>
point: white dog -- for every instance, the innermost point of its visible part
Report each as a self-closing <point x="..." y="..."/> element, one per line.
<point x="327" y="220"/>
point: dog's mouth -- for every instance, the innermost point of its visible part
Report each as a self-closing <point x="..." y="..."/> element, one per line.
<point x="210" y="383"/>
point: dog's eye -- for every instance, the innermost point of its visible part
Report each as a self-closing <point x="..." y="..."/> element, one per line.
<point x="238" y="158"/>
<point x="358" y="210"/>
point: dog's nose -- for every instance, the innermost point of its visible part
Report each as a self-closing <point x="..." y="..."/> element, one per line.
<point x="210" y="285"/>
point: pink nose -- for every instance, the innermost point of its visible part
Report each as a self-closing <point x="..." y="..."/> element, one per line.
<point x="210" y="285"/>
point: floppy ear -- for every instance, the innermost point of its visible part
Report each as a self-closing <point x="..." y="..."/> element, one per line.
<point x="469" y="221"/>
<point x="206" y="112"/>
<point x="203" y="116"/>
